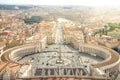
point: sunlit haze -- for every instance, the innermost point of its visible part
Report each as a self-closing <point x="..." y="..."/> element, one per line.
<point x="63" y="2"/>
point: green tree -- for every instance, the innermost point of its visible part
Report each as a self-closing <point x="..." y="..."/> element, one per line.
<point x="33" y="19"/>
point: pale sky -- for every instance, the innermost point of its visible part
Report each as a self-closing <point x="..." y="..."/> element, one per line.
<point x="64" y="2"/>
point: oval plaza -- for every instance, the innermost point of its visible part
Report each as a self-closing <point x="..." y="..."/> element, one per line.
<point x="59" y="56"/>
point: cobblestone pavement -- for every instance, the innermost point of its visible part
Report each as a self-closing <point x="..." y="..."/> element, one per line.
<point x="47" y="58"/>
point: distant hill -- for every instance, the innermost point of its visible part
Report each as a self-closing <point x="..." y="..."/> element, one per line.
<point x="14" y="7"/>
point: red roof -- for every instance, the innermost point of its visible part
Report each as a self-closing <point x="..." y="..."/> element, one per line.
<point x="5" y="33"/>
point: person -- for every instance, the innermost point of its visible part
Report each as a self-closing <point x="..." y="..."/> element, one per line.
<point x="47" y="64"/>
<point x="38" y="60"/>
<point x="32" y="58"/>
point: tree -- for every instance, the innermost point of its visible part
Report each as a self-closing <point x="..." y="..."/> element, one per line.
<point x="33" y="19"/>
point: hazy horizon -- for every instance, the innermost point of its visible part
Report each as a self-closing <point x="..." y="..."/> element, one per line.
<point x="63" y="3"/>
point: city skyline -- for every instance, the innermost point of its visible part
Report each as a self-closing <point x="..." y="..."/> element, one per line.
<point x="63" y="2"/>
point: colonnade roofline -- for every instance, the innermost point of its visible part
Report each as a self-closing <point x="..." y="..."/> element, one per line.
<point x="111" y="54"/>
<point x="111" y="60"/>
